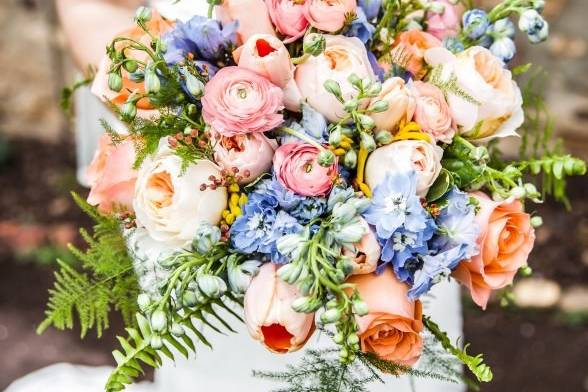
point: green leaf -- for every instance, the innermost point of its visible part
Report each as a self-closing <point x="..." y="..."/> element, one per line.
<point x="440" y="187"/>
<point x="521" y="69"/>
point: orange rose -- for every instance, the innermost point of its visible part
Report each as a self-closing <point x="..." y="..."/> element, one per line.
<point x="506" y="239"/>
<point x="157" y="26"/>
<point x="393" y="325"/>
<point x="410" y="47"/>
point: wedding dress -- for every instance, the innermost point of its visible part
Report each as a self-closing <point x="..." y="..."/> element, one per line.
<point x="228" y="367"/>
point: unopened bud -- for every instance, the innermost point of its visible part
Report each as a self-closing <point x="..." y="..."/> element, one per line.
<point x="211" y="286"/>
<point x="350" y="159"/>
<point x="332" y="87"/>
<point x="367" y="142"/>
<point x="158" y="321"/>
<point x="379" y="106"/>
<point x="326" y="158"/>
<point x="115" y="82"/>
<point x="330" y="316"/>
<point x="152" y="83"/>
<point x="143" y="301"/>
<point x="314" y="44"/>
<point x="143" y="14"/>
<point x="384" y="137"/>
<point x="360" y="308"/>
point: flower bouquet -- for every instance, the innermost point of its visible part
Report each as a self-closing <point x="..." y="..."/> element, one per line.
<point x="307" y="166"/>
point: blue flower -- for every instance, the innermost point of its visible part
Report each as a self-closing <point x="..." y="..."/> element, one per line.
<point x="200" y="36"/>
<point x="378" y="70"/>
<point x="502" y="28"/>
<point x="313" y="124"/>
<point x="371" y="8"/>
<point x="360" y="27"/>
<point x="475" y="23"/>
<point x="434" y="268"/>
<point x="454" y="45"/>
<point x="283" y="224"/>
<point x="503" y="48"/>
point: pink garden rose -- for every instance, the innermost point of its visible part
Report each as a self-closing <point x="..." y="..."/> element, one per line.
<point x="251" y="153"/>
<point x="446" y="23"/>
<point x="297" y="169"/>
<point x="266" y="55"/>
<point x="366" y="256"/>
<point x="252" y="15"/>
<point x="401" y="105"/>
<point x="111" y="175"/>
<point x="269" y="316"/>
<point x="328" y="15"/>
<point x="238" y="101"/>
<point x="288" y="17"/>
<point x="392" y="328"/>
<point x="432" y="112"/>
<point x="506" y="239"/>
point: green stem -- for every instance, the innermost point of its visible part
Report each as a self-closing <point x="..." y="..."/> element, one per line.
<point x="302" y="136"/>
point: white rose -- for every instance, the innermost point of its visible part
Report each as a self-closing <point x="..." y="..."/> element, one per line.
<point x="405" y="155"/>
<point x="492" y="104"/>
<point x="342" y="57"/>
<point x="169" y="202"/>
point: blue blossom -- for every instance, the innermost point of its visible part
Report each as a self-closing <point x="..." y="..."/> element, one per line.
<point x="378" y="70"/>
<point x="475" y="23"/>
<point x="502" y="28"/>
<point x="312" y="124"/>
<point x="200" y="36"/>
<point x="360" y="27"/>
<point x="371" y="8"/>
<point x="434" y="269"/>
<point x="283" y="224"/>
<point x="503" y="48"/>
<point x="454" y="45"/>
<point x="303" y="208"/>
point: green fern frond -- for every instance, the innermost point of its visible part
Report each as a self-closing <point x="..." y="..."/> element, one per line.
<point x="450" y="85"/>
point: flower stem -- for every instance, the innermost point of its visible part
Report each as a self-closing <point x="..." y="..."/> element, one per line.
<point x="302" y="136"/>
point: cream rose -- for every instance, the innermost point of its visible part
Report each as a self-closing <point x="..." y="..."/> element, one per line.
<point x="422" y="157"/>
<point x="493" y="105"/>
<point x="169" y="202"/>
<point x="401" y="104"/>
<point x="342" y="57"/>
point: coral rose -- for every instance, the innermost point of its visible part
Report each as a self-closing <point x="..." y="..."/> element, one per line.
<point x="269" y="316"/>
<point x="238" y="101"/>
<point x="505" y="241"/>
<point x="412" y="45"/>
<point x="297" y="169"/>
<point x="252" y="15"/>
<point x="111" y="175"/>
<point x="328" y="15"/>
<point x="432" y="112"/>
<point x="250" y="153"/>
<point x="394" y="323"/>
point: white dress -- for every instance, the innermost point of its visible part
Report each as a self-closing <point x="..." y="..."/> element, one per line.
<point x="228" y="367"/>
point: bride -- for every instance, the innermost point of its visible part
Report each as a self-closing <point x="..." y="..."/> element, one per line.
<point x="89" y="25"/>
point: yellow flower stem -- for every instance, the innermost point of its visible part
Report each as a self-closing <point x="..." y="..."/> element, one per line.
<point x="361" y="160"/>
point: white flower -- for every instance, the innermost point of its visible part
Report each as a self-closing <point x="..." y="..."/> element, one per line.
<point x="168" y="201"/>
<point x="405" y="155"/>
<point x="485" y="102"/>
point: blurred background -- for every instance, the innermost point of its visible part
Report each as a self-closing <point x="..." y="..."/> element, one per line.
<point x="539" y="343"/>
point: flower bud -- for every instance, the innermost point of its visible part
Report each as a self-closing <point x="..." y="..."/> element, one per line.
<point x="536" y="221"/>
<point x="177" y="330"/>
<point x="345" y="265"/>
<point x="360" y="308"/>
<point x="143" y="14"/>
<point x="194" y="85"/>
<point x="379" y="106"/>
<point x="518" y="192"/>
<point x="351" y="105"/>
<point x="130" y="65"/>
<point x="530" y="21"/>
<point x="352" y="339"/>
<point x="384" y="137"/>
<point x="350" y="159"/>
<point x="211" y="286"/>
<point x="360" y="203"/>
<point x="156" y="342"/>
<point x="207" y="236"/>
<point x="152" y="83"/>
<point x="189" y="299"/>
<point x="343" y="212"/>
<point x="240" y="275"/>
<point x="306" y="304"/>
<point x="115" y="82"/>
<point x="374" y="89"/>
<point x="351" y="233"/>
<point x="330" y="316"/>
<point x="338" y="338"/>
<point x="332" y="87"/>
<point x="128" y="112"/>
<point x="326" y="158"/>
<point x="143" y="301"/>
<point x="475" y="23"/>
<point x="354" y="80"/>
<point x="480" y="154"/>
<point x="158" y="321"/>
<point x="290" y="273"/>
<point x="314" y="44"/>
<point x="288" y="245"/>
<point x="306" y="286"/>
<point x="335" y="137"/>
<point x="367" y="141"/>
<point x="367" y="122"/>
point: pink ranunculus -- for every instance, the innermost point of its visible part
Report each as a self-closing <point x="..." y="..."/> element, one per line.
<point x="269" y="316"/>
<point x="505" y="241"/>
<point x="367" y="252"/>
<point x="111" y="175"/>
<point x="392" y="328"/>
<point x="328" y="15"/>
<point x="251" y="153"/>
<point x="432" y="112"/>
<point x="411" y="46"/>
<point x="446" y="23"/>
<point x="253" y="17"/>
<point x="298" y="170"/>
<point x="266" y="55"/>
<point x="288" y="17"/>
<point x="238" y="101"/>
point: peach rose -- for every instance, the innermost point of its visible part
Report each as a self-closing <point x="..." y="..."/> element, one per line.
<point x="401" y="105"/>
<point x="494" y="106"/>
<point x="367" y="252"/>
<point x="252" y="15"/>
<point x="394" y="323"/>
<point x="342" y="57"/>
<point x="266" y="55"/>
<point x="111" y="175"/>
<point x="432" y="112"/>
<point x="157" y="26"/>
<point x="251" y="153"/>
<point x="414" y="44"/>
<point x="269" y="316"/>
<point x="505" y="241"/>
<point x="328" y="15"/>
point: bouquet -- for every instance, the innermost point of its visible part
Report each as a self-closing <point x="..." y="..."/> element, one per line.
<point x="313" y="165"/>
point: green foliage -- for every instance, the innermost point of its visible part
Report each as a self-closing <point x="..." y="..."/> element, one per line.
<point x="450" y="85"/>
<point x="475" y="364"/>
<point x="67" y="93"/>
<point x="105" y="280"/>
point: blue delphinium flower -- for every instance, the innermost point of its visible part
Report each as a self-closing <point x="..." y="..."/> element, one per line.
<point x="532" y="23"/>
<point x="453" y="44"/>
<point x="313" y="124"/>
<point x="475" y="23"/>
<point x="376" y="67"/>
<point x="283" y="224"/>
<point x="303" y="208"/>
<point x="200" y="36"/>
<point x="402" y="225"/>
<point x="454" y="241"/>
<point x="503" y="48"/>
<point x="371" y="8"/>
<point x="361" y="27"/>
